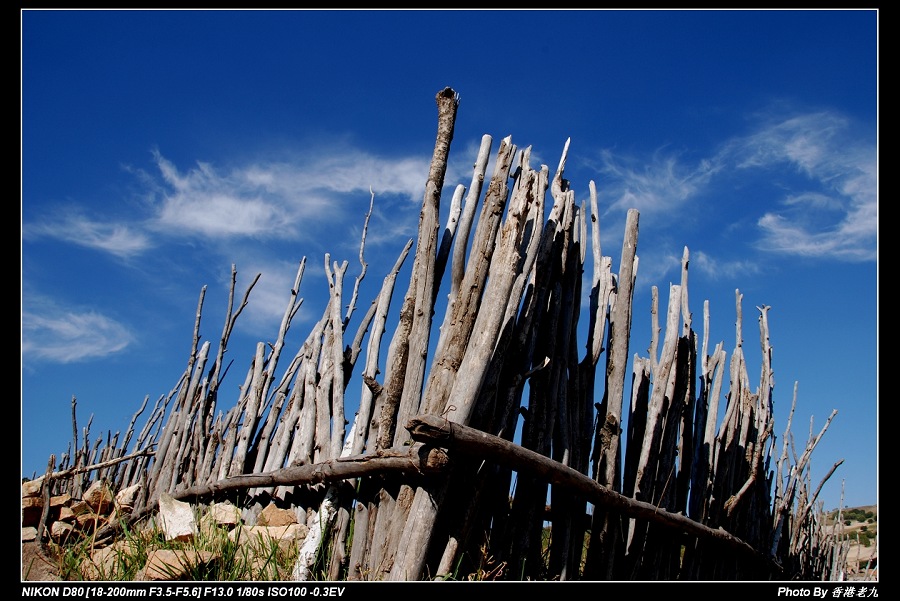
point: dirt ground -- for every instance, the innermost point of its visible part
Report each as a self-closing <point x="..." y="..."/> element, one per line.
<point x="36" y="564"/>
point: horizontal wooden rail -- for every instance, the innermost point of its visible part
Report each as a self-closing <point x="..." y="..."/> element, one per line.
<point x="440" y="432"/>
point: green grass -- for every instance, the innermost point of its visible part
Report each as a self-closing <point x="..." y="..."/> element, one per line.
<point x="249" y="560"/>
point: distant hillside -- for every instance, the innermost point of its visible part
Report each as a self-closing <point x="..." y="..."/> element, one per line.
<point x="860" y="527"/>
<point x="863" y="514"/>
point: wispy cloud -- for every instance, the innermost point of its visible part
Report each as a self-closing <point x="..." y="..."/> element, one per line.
<point x="836" y="216"/>
<point x="62" y="335"/>
<point x="203" y="202"/>
<point x="785" y="235"/>
<point x="827" y="171"/>
<point x="269" y="297"/>
<point x="275" y="200"/>
<point x="806" y="141"/>
<point x="718" y="269"/>
<point x="70" y="225"/>
<point x="661" y="184"/>
<point x="242" y="215"/>
<point x="279" y="199"/>
<point x="356" y="172"/>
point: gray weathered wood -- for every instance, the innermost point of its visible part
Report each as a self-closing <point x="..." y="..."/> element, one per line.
<point x="409" y="560"/>
<point x="506" y="362"/>
<point x="444" y="433"/>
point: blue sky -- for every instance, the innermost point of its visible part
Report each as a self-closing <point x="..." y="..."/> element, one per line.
<point x="161" y="147"/>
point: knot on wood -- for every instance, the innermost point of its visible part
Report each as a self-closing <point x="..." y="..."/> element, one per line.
<point x="433" y="460"/>
<point x="430" y="428"/>
<point x="609" y="431"/>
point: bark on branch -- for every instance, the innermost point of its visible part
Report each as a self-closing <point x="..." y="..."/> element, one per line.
<point x="417" y="459"/>
<point x="148" y="452"/>
<point x="437" y="431"/>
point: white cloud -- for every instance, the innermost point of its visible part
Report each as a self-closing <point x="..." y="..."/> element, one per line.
<point x="829" y="211"/>
<point x="662" y="184"/>
<point x="52" y="333"/>
<point x="813" y="200"/>
<point x="356" y="172"/>
<point x="280" y="199"/>
<point x="218" y="214"/>
<point x="786" y="236"/>
<point x="243" y="216"/>
<point x="275" y="200"/>
<point x="837" y="216"/>
<point x="717" y="269"/>
<point x="269" y="297"/>
<point x="118" y="239"/>
<point x="806" y="141"/>
<point x="204" y="202"/>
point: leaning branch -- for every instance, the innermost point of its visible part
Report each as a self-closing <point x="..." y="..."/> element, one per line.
<point x="416" y="459"/>
<point x="441" y="432"/>
<point x="148" y="452"/>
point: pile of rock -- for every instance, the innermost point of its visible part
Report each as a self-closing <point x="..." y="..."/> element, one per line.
<point x="69" y="519"/>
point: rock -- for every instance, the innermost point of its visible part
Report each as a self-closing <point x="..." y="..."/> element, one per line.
<point x="108" y="562"/>
<point x="32" y="507"/>
<point x="80" y="507"/>
<point x="126" y="498"/>
<point x="262" y="545"/>
<point x="220" y="516"/>
<point x="225" y="514"/>
<point x="32" y="488"/>
<point x="176" y="518"/>
<point x="99" y="497"/>
<point x="101" y="565"/>
<point x="273" y="516"/>
<point x="60" y="531"/>
<point x="31" y="511"/>
<point x="58" y="501"/>
<point x="167" y="564"/>
<point x="87" y="522"/>
<point x="259" y="539"/>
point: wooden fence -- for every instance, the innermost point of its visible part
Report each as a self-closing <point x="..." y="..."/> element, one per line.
<point x="431" y="480"/>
